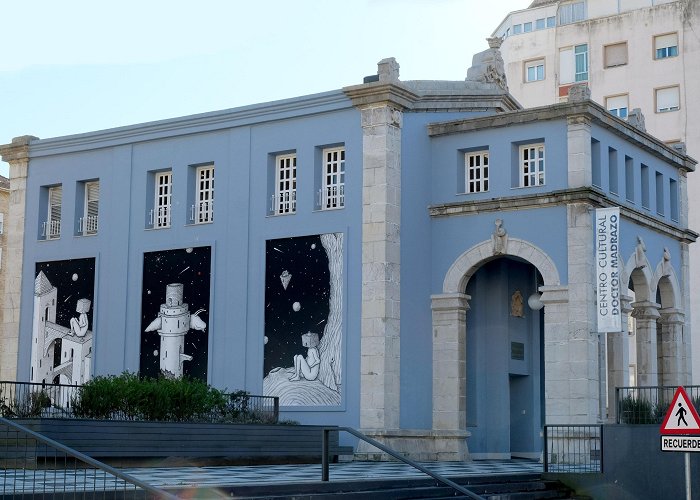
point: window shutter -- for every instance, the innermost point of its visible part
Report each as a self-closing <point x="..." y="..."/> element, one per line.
<point x="616" y="55"/>
<point x="56" y="197"/>
<point x="93" y="198"/>
<point x="617" y="102"/>
<point x="663" y="41"/>
<point x="567" y="68"/>
<point x="667" y="99"/>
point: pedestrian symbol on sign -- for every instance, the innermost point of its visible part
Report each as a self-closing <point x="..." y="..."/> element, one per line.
<point x="681" y="414"/>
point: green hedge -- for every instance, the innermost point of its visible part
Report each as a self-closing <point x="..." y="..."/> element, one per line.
<point x="129" y="397"/>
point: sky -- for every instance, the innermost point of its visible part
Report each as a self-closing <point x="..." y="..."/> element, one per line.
<point x="77" y="66"/>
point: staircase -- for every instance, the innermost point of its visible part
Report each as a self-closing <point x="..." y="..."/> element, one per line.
<point x="515" y="487"/>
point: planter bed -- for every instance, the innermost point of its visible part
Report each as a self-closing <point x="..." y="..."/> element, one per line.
<point x="138" y="440"/>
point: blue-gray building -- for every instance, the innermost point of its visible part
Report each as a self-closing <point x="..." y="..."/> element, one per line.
<point x="423" y="260"/>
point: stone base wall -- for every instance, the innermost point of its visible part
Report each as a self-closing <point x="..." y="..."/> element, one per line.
<point x="417" y="445"/>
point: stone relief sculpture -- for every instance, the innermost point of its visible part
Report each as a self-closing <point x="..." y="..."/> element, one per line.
<point x="516" y="305"/>
<point x="488" y="66"/>
<point x="666" y="264"/>
<point x="499" y="238"/>
<point x="640" y="253"/>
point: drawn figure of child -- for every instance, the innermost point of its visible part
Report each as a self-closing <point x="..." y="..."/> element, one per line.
<point x="79" y="325"/>
<point x="308" y="367"/>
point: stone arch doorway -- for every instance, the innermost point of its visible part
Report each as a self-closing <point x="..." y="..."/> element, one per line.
<point x="472" y="326"/>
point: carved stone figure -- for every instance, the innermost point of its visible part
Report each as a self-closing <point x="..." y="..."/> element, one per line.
<point x="666" y="264"/>
<point x="516" y="305"/>
<point x="640" y="254"/>
<point x="636" y="119"/>
<point x="499" y="238"/>
<point x="488" y="66"/>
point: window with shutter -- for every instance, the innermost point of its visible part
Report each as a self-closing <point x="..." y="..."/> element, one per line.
<point x="617" y="105"/>
<point x="667" y="99"/>
<point x="615" y="55"/>
<point x="53" y="223"/>
<point x="92" y="205"/>
<point x="666" y="46"/>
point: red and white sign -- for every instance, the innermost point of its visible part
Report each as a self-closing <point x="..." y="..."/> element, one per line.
<point x="681" y="417"/>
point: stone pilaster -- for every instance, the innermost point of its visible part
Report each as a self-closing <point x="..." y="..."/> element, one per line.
<point x="381" y="221"/>
<point x="557" y="353"/>
<point x="618" y="358"/>
<point x="646" y="313"/>
<point x="17" y="155"/>
<point x="686" y="286"/>
<point x="578" y="138"/>
<point x="671" y="369"/>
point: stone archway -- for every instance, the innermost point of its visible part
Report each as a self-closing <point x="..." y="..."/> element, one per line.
<point x="449" y="311"/>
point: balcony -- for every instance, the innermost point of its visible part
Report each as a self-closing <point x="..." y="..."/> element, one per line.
<point x="202" y="212"/>
<point x="159" y="218"/>
<point x="283" y="203"/>
<point x="88" y="225"/>
<point x="51" y="230"/>
<point x="331" y="197"/>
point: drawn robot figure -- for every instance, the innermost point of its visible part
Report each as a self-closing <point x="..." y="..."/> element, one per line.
<point x="308" y="367"/>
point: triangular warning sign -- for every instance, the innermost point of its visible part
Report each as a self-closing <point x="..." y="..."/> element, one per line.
<point x="681" y="417"/>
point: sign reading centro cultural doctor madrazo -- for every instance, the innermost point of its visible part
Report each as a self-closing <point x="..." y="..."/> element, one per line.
<point x="607" y="238"/>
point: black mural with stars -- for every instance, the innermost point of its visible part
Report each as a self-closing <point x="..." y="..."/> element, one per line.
<point x="192" y="268"/>
<point x="303" y="306"/>
<point x="74" y="279"/>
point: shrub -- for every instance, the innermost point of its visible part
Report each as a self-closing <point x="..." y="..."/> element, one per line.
<point x="163" y="399"/>
<point x="638" y="411"/>
<point x="29" y="404"/>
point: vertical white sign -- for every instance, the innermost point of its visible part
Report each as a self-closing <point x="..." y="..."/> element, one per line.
<point x="607" y="268"/>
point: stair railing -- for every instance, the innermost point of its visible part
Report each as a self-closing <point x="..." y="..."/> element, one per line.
<point x="325" y="450"/>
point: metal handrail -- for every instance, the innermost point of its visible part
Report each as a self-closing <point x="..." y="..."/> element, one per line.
<point x="325" y="462"/>
<point x="161" y="494"/>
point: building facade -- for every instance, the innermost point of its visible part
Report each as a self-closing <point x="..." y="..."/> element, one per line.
<point x="632" y="54"/>
<point x="414" y="259"/>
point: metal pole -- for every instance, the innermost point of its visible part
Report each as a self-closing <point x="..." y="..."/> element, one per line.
<point x="688" y="495"/>
<point x="324" y="455"/>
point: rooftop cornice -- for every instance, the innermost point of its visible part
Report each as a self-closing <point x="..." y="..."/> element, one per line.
<point x="18" y="149"/>
<point x="368" y="94"/>
<point x="594" y="197"/>
<point x="591" y="110"/>
<point x="203" y="122"/>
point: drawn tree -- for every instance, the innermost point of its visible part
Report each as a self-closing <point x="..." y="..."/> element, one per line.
<point x="330" y="371"/>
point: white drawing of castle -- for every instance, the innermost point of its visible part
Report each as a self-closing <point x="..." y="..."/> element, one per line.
<point x="173" y="322"/>
<point x="74" y="366"/>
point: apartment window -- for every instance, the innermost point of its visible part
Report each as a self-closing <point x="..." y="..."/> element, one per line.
<point x="645" y="186"/>
<point x="531" y="165"/>
<point x="666" y="46"/>
<point x="660" y="201"/>
<point x="615" y="54"/>
<point x="617" y="105"/>
<point x="285" y="197"/>
<point x="612" y="171"/>
<point x="596" y="167"/>
<point x="534" y="70"/>
<point x="573" y="64"/>
<point x="517" y="29"/>
<point x="551" y="22"/>
<point x="540" y="24"/>
<point x="527" y="27"/>
<point x="163" y="199"/>
<point x="572" y="12"/>
<point x="629" y="179"/>
<point x="332" y="193"/>
<point x="89" y="221"/>
<point x="667" y="99"/>
<point x="673" y="198"/>
<point x="203" y="209"/>
<point x="476" y="167"/>
<point x="52" y="226"/>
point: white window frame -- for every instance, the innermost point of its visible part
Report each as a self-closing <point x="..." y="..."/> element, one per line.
<point x="531" y="165"/>
<point x="89" y="222"/>
<point x="665" y="101"/>
<point x="618" y="105"/>
<point x="665" y="46"/>
<point x="581" y="76"/>
<point x="285" y="197"/>
<point x="332" y="195"/>
<point x="572" y="12"/>
<point x="162" y="201"/>
<point x="203" y="209"/>
<point x="476" y="172"/>
<point x="537" y="65"/>
<point x="52" y="226"/>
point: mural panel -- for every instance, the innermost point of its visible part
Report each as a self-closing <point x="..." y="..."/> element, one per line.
<point x="62" y="326"/>
<point x="174" y="313"/>
<point x="303" y="320"/>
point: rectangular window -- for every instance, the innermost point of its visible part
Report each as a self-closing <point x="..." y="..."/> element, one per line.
<point x="476" y="171"/>
<point x="660" y="193"/>
<point x="52" y="226"/>
<point x="532" y="165"/>
<point x="517" y="29"/>
<point x="333" y="186"/>
<point x="534" y="70"/>
<point x="617" y="105"/>
<point x="667" y="99"/>
<point x="612" y="171"/>
<point x="572" y="12"/>
<point x="581" y="62"/>
<point x="89" y="222"/>
<point x="285" y="197"/>
<point x="163" y="199"/>
<point x="527" y="27"/>
<point x="551" y="22"/>
<point x="539" y="24"/>
<point x="645" y="186"/>
<point x="629" y="179"/>
<point x="666" y="46"/>
<point x="673" y="198"/>
<point x="615" y="54"/>
<point x="203" y="209"/>
<point x="596" y="164"/>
